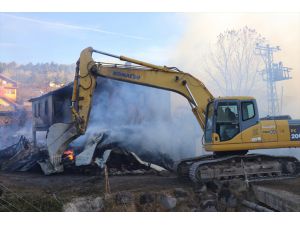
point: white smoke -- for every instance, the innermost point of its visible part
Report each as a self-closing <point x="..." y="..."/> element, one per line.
<point x="10" y="134"/>
<point x="282" y="29"/>
<point x="140" y="117"/>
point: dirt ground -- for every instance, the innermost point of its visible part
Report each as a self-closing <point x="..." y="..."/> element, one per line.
<point x="23" y="191"/>
<point x="50" y="193"/>
<point x="61" y="183"/>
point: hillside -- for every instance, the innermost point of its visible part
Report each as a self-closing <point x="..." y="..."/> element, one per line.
<point x="34" y="79"/>
<point x="41" y="73"/>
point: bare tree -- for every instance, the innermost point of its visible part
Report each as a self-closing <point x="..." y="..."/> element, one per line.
<point x="232" y="63"/>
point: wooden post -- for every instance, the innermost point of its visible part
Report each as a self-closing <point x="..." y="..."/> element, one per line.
<point x="107" y="186"/>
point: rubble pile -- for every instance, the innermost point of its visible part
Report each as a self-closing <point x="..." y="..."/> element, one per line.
<point x="19" y="157"/>
<point x="104" y="148"/>
<point x="203" y="198"/>
<point x="91" y="158"/>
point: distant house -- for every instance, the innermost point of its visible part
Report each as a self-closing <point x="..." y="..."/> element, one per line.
<point x="11" y="113"/>
<point x="7" y="105"/>
<point x="8" y="94"/>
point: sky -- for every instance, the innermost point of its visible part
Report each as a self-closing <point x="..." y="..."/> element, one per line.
<point x="173" y="39"/>
<point x="59" y="37"/>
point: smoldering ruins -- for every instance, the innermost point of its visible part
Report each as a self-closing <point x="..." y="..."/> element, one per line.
<point x="125" y="116"/>
<point x="118" y="118"/>
<point x="128" y="158"/>
<point x="131" y="133"/>
<point x="125" y="162"/>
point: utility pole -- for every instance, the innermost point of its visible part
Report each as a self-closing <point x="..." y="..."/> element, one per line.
<point x="272" y="73"/>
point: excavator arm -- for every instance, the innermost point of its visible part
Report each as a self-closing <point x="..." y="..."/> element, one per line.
<point x="142" y="73"/>
<point x="148" y="75"/>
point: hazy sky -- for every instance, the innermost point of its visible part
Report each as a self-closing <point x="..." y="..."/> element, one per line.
<point x="282" y="29"/>
<point x="59" y="37"/>
<point x="174" y="39"/>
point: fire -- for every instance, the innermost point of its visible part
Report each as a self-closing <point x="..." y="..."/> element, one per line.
<point x="69" y="154"/>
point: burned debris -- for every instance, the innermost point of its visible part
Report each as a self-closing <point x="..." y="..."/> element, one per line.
<point x="105" y="150"/>
<point x="100" y="151"/>
<point x="19" y="157"/>
<point x="97" y="153"/>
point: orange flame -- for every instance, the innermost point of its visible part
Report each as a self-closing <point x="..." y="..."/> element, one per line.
<point x="69" y="154"/>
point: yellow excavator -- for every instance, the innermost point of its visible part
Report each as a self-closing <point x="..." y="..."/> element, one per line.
<point x="231" y="125"/>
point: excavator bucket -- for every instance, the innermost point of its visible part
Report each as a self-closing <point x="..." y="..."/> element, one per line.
<point x="59" y="137"/>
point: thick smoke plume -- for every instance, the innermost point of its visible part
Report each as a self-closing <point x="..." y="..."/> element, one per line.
<point x="140" y="118"/>
<point x="282" y="29"/>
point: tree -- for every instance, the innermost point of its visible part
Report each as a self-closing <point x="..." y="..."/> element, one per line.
<point x="232" y="64"/>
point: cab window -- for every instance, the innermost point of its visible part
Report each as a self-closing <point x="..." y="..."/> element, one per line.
<point x="227" y="112"/>
<point x="248" y="111"/>
<point x="227" y="124"/>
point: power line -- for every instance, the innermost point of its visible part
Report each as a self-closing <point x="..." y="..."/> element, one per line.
<point x="272" y="73"/>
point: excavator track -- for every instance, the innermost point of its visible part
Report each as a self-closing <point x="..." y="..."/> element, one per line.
<point x="251" y="167"/>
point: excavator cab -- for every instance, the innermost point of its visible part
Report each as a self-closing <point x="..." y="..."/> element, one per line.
<point x="226" y="118"/>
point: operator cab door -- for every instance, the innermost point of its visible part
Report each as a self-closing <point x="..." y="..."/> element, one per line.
<point x="250" y="120"/>
<point x="227" y="124"/>
<point x="209" y="123"/>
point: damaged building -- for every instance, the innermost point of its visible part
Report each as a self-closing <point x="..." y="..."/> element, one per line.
<point x="97" y="148"/>
<point x="52" y="107"/>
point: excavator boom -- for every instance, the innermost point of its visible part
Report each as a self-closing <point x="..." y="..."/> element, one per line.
<point x="147" y="74"/>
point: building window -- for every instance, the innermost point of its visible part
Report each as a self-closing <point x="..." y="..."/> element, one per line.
<point x="46" y="107"/>
<point x="39" y="109"/>
<point x="10" y="91"/>
<point x="34" y="110"/>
